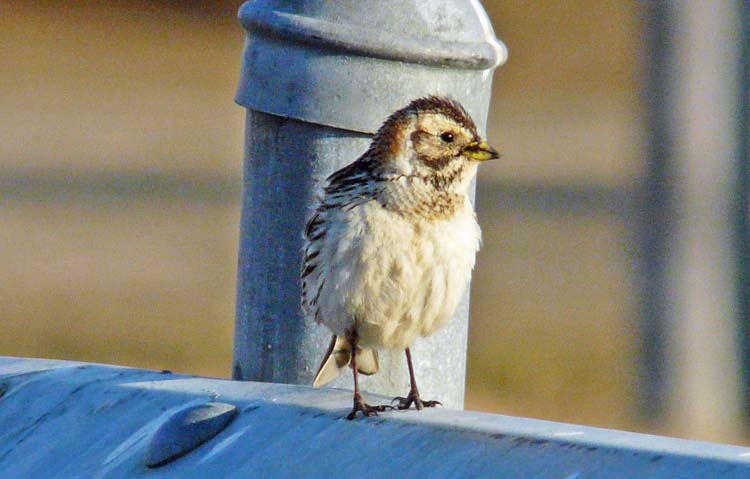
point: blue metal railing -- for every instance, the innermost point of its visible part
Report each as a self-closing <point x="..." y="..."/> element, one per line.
<point x="77" y="420"/>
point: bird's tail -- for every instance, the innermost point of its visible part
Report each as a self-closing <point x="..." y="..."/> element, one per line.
<point x="339" y="355"/>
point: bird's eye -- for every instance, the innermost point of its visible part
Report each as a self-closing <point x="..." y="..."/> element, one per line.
<point x="447" y="137"/>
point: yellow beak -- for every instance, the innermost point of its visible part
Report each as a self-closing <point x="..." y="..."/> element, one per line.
<point x="480" y="151"/>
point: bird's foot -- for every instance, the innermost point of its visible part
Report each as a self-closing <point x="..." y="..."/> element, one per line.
<point x="413" y="398"/>
<point x="367" y="410"/>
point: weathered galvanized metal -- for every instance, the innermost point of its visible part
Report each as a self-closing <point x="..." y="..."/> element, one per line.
<point x="75" y="420"/>
<point x="318" y="79"/>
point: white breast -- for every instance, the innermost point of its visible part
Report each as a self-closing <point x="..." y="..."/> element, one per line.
<point x="393" y="277"/>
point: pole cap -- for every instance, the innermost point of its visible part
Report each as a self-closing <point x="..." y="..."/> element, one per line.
<point x="350" y="64"/>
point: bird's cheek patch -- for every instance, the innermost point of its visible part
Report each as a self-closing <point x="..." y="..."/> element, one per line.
<point x="395" y="144"/>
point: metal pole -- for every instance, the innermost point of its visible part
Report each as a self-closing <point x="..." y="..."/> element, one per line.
<point x="742" y="208"/>
<point x="703" y="390"/>
<point x="657" y="210"/>
<point x="318" y="79"/>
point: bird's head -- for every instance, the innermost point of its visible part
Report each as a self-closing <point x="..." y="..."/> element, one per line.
<point x="433" y="138"/>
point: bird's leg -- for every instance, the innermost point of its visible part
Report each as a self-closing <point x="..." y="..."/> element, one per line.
<point x="359" y="401"/>
<point x="413" y="396"/>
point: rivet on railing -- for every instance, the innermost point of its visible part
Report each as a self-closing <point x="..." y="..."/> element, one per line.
<point x="187" y="429"/>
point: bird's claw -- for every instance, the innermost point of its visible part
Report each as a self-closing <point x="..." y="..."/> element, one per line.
<point x="413" y="398"/>
<point x="367" y="410"/>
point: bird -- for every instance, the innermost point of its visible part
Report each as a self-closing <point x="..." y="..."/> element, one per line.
<point x="390" y="244"/>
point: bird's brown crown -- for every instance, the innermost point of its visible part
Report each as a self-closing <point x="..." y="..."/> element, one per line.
<point x="428" y="104"/>
<point x="443" y="106"/>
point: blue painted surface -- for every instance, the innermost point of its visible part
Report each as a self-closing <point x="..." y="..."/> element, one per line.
<point x="74" y="420"/>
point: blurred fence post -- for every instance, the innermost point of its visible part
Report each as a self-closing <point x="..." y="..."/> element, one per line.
<point x="693" y="248"/>
<point x="318" y="78"/>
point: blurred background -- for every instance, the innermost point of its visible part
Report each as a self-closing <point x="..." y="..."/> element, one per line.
<point x="613" y="285"/>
